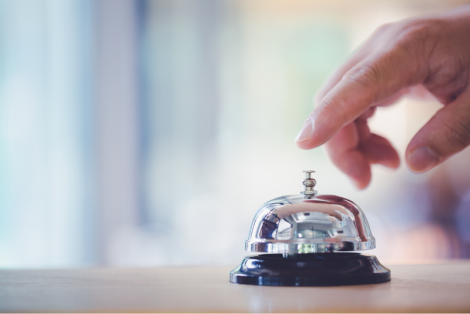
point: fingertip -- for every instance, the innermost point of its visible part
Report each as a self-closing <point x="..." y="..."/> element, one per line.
<point x="303" y="145"/>
<point x="361" y="176"/>
<point x="392" y="163"/>
<point x="360" y="184"/>
<point x="379" y="151"/>
<point x="303" y="140"/>
<point x="356" y="166"/>
<point x="322" y="124"/>
<point x="422" y="159"/>
<point x="310" y="136"/>
<point x="395" y="165"/>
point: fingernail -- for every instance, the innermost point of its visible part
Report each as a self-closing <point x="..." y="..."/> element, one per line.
<point x="306" y="131"/>
<point x="422" y="159"/>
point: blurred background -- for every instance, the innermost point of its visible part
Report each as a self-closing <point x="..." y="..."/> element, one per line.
<point x="149" y="132"/>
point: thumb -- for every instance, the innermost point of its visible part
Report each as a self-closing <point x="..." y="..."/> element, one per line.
<point x="447" y="133"/>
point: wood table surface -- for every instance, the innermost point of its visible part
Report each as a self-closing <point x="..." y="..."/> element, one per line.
<point x="438" y="287"/>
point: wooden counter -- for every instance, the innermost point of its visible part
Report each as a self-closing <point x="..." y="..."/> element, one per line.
<point x="442" y="287"/>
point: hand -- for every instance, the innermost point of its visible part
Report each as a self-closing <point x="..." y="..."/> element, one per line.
<point x="425" y="56"/>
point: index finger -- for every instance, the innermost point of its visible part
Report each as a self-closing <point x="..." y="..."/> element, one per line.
<point x="372" y="80"/>
<point x="368" y="47"/>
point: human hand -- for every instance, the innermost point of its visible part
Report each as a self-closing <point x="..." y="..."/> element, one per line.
<point x="421" y="56"/>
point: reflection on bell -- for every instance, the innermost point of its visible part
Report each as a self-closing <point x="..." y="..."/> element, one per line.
<point x="306" y="237"/>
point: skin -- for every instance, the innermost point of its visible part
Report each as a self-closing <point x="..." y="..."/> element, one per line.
<point x="423" y="57"/>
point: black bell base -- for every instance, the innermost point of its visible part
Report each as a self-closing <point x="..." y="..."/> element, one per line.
<point x="314" y="269"/>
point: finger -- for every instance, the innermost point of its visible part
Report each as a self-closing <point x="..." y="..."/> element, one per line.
<point x="336" y="76"/>
<point x="447" y="133"/>
<point x="377" y="149"/>
<point x="353" y="149"/>
<point x="344" y="153"/>
<point x="368" y="113"/>
<point x="362" y="52"/>
<point x="373" y="80"/>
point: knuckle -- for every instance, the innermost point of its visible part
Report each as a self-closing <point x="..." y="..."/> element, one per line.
<point x="383" y="29"/>
<point x="417" y="34"/>
<point x="412" y="30"/>
<point x="457" y="133"/>
<point x="364" y="76"/>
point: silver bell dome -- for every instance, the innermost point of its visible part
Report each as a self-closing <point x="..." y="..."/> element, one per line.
<point x="309" y="223"/>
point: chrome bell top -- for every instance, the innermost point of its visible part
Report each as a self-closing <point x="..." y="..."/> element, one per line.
<point x="309" y="223"/>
